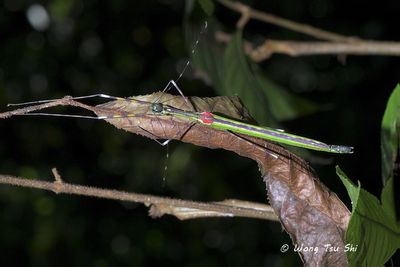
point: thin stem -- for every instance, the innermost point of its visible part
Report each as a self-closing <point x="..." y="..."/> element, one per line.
<point x="297" y="48"/>
<point x="65" y="101"/>
<point x="293" y="48"/>
<point x="248" y="12"/>
<point x="22" y="111"/>
<point x="183" y="209"/>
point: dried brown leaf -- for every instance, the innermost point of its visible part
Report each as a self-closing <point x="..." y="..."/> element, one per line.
<point x="313" y="216"/>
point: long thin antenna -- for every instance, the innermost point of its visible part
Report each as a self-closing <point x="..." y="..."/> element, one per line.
<point x="193" y="50"/>
<point x="74" y="98"/>
<point x="173" y="83"/>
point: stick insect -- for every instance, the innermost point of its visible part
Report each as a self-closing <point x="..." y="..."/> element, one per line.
<point x="207" y="119"/>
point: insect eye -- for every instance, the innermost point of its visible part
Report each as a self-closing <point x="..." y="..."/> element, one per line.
<point x="157" y="107"/>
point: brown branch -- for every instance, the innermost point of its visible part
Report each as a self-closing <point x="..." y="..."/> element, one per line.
<point x="338" y="45"/>
<point x="293" y="49"/>
<point x="182" y="209"/>
<point x="65" y="101"/>
<point x="248" y="12"/>
<point x="25" y="110"/>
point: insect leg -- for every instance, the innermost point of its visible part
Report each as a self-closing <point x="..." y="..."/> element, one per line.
<point x="72" y="98"/>
<point x="171" y="84"/>
<point x="65" y="115"/>
<point x="269" y="152"/>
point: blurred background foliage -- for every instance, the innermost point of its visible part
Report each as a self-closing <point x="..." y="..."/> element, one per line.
<point x="54" y="48"/>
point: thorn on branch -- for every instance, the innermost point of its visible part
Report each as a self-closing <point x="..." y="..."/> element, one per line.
<point x="157" y="210"/>
<point x="58" y="183"/>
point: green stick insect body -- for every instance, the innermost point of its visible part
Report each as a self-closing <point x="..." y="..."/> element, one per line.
<point x="211" y="120"/>
<point x="225" y="124"/>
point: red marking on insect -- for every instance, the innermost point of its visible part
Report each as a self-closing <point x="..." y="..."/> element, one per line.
<point x="206" y="117"/>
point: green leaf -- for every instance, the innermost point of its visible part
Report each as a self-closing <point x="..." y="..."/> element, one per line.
<point x="60" y="8"/>
<point x="208" y="57"/>
<point x="390" y="134"/>
<point x="208" y="6"/>
<point x="352" y="190"/>
<point x="387" y="198"/>
<point x="239" y="80"/>
<point x="189" y="6"/>
<point x="284" y="105"/>
<point x="230" y="73"/>
<point x="372" y="229"/>
<point x="266" y="100"/>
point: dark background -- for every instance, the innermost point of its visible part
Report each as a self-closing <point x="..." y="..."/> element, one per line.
<point x="128" y="48"/>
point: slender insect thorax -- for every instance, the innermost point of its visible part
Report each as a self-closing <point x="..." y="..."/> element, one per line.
<point x="206" y="117"/>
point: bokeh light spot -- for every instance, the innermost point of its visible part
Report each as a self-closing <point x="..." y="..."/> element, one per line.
<point x="38" y="17"/>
